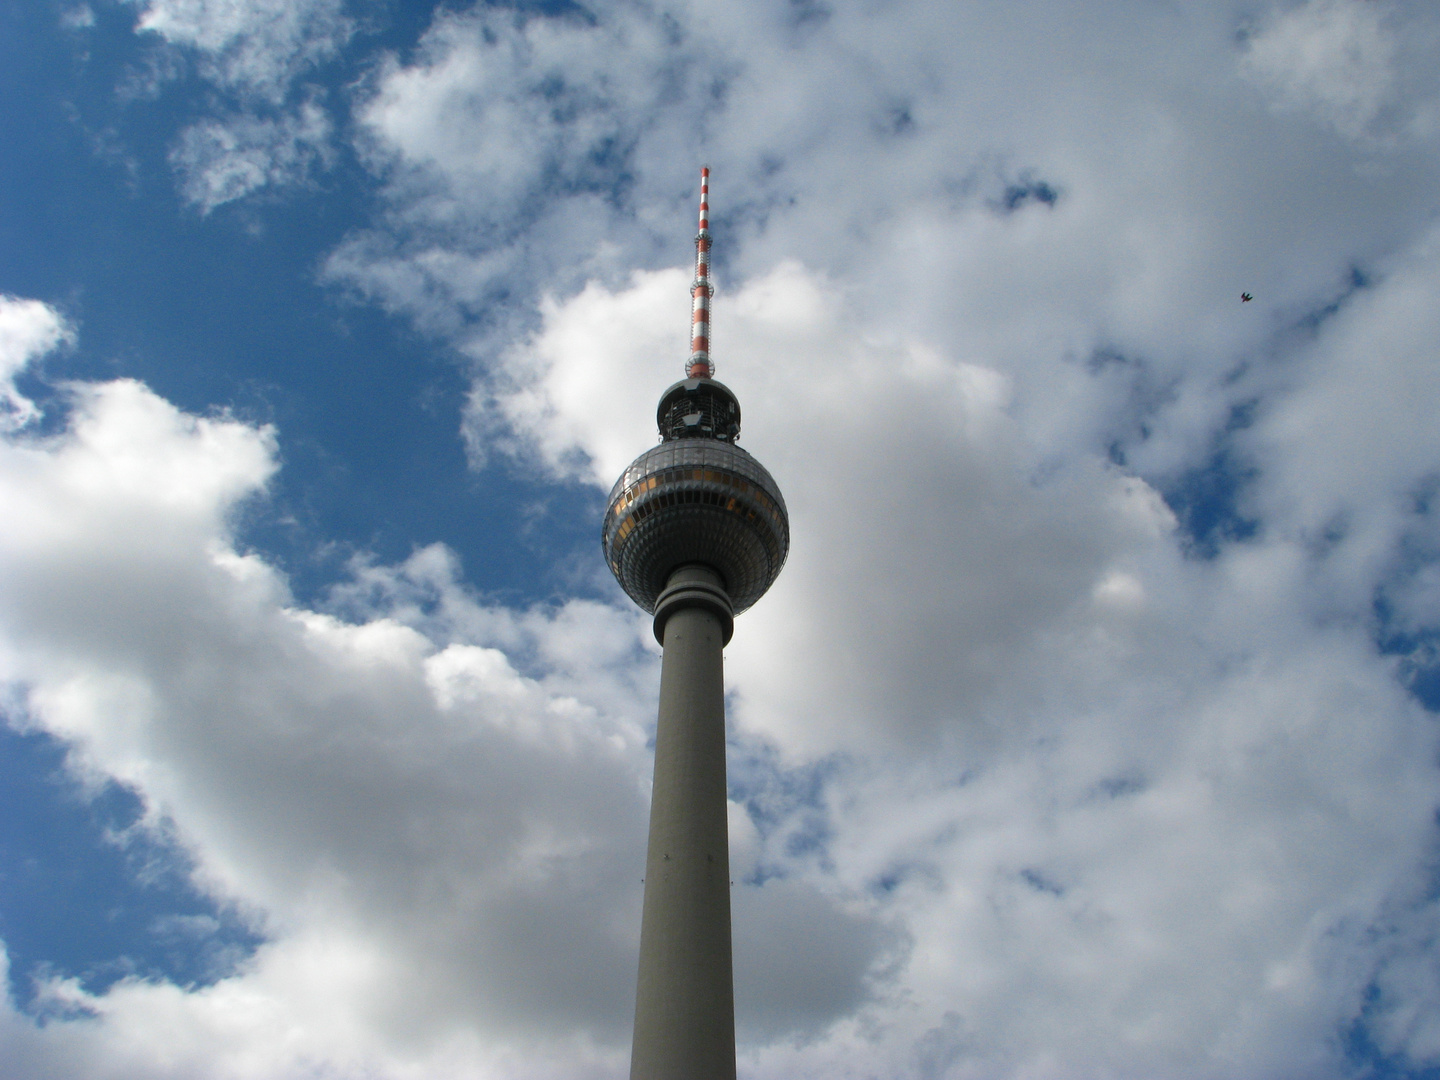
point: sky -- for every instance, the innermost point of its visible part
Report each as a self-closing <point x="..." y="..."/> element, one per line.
<point x="1091" y="730"/>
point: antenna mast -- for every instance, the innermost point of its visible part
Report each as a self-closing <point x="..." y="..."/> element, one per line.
<point x="699" y="365"/>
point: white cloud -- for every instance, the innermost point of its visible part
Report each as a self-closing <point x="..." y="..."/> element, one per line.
<point x="1120" y="810"/>
<point x="1359" y="494"/>
<point x="526" y="156"/>
<point x="79" y="17"/>
<point x="256" y="53"/>
<point x="253" y="46"/>
<point x="223" y="160"/>
<point x="1033" y="792"/>
<point x="28" y="329"/>
<point x="432" y="808"/>
<point x="308" y="760"/>
<point x="508" y="132"/>
<point x="1130" y="760"/>
<point x="1334" y="57"/>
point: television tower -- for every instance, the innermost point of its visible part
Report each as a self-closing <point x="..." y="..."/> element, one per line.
<point x="695" y="532"/>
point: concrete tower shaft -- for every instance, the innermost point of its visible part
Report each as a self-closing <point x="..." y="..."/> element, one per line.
<point x="685" y="1001"/>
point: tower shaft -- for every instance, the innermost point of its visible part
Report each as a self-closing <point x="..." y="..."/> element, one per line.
<point x="685" y="1004"/>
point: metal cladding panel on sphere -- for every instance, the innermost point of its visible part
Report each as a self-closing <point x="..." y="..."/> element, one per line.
<point x="696" y="500"/>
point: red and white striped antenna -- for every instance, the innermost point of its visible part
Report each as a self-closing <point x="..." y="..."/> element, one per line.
<point x="699" y="365"/>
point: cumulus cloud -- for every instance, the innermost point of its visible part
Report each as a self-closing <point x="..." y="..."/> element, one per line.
<point x="1332" y="56"/>
<point x="1012" y="711"/>
<point x="1026" y="781"/>
<point x="1065" y="760"/>
<point x="300" y="756"/>
<point x="432" y="808"/>
<point x="79" y="17"/>
<point x="220" y="161"/>
<point x="502" y="144"/>
<point x="276" y="132"/>
<point x="1355" y="67"/>
<point x="28" y="329"/>
<point x="256" y="46"/>
<point x="1360" y="497"/>
<point x="1163" y="175"/>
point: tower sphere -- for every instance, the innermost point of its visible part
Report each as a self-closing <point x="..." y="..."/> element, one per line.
<point x="697" y="498"/>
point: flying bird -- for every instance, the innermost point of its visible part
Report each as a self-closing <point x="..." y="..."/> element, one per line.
<point x="1245" y="298"/>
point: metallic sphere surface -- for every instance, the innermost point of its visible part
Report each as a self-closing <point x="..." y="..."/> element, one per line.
<point x="696" y="500"/>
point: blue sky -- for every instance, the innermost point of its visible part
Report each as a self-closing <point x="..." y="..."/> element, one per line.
<point x="1091" y="727"/>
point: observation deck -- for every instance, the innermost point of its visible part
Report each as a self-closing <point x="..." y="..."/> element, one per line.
<point x="697" y="498"/>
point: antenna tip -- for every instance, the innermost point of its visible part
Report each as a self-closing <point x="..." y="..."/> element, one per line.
<point x="704" y="170"/>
